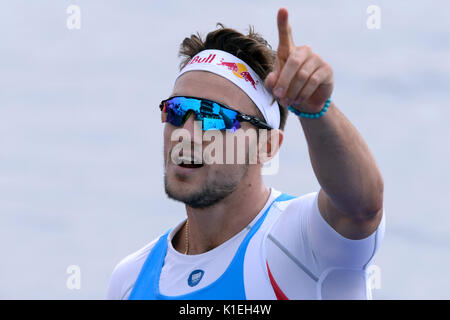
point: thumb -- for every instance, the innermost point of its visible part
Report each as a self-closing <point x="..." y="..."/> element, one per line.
<point x="272" y="77"/>
<point x="271" y="81"/>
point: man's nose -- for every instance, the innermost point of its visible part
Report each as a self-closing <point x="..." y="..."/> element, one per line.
<point x="194" y="127"/>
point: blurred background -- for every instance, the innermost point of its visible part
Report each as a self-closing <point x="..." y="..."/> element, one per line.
<point x="81" y="170"/>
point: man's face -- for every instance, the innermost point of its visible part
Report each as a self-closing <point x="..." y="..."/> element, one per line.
<point x="206" y="184"/>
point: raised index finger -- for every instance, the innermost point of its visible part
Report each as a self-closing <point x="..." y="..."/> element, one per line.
<point x="286" y="42"/>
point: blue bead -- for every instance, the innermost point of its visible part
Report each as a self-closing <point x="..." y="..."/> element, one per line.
<point x="311" y="115"/>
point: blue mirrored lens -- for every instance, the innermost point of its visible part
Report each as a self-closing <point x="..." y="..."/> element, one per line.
<point x="230" y="119"/>
<point x="212" y="115"/>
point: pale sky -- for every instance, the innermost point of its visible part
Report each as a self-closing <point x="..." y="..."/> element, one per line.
<point x="81" y="175"/>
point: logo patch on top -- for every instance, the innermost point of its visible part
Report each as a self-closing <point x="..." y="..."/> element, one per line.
<point x="240" y="71"/>
<point x="195" y="277"/>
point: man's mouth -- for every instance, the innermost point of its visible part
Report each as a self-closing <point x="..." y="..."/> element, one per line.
<point x="190" y="163"/>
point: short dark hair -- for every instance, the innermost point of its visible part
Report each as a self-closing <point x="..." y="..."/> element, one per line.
<point x="251" y="48"/>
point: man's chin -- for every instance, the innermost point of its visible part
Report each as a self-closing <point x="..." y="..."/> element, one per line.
<point x="180" y="188"/>
<point x="196" y="190"/>
<point x="198" y="195"/>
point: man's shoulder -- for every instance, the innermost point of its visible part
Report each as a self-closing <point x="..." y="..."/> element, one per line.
<point x="126" y="272"/>
<point x="137" y="258"/>
<point x="298" y="203"/>
<point x="293" y="217"/>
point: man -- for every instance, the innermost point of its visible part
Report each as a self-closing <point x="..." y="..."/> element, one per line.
<point x="241" y="239"/>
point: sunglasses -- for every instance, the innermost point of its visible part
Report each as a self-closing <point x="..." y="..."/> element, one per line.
<point x="214" y="116"/>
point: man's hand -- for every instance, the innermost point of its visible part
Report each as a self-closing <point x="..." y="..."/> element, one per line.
<point x="351" y="195"/>
<point x="300" y="77"/>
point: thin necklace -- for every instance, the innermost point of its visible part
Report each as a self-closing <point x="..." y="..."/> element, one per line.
<point x="186" y="237"/>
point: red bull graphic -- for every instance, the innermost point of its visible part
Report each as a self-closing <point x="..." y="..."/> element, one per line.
<point x="231" y="65"/>
<point x="239" y="70"/>
<point x="246" y="75"/>
<point x="198" y="59"/>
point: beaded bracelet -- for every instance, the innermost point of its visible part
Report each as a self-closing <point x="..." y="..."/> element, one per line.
<point x="311" y="115"/>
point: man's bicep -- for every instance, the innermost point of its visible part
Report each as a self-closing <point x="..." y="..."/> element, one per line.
<point x="331" y="249"/>
<point x="343" y="223"/>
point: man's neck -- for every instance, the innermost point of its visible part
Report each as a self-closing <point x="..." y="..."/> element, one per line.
<point x="212" y="226"/>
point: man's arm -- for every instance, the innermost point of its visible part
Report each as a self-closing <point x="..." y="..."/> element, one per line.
<point x="351" y="197"/>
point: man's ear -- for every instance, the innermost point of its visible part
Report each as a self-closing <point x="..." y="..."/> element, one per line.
<point x="269" y="144"/>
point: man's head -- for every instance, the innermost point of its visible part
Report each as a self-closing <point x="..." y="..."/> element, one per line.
<point x="201" y="186"/>
<point x="251" y="48"/>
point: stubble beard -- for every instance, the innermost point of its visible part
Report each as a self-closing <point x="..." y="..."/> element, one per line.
<point x="215" y="189"/>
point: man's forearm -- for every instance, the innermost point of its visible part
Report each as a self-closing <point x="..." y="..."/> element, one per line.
<point x="343" y="164"/>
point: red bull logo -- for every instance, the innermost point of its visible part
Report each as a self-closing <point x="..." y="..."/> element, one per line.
<point x="198" y="59"/>
<point x="239" y="70"/>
